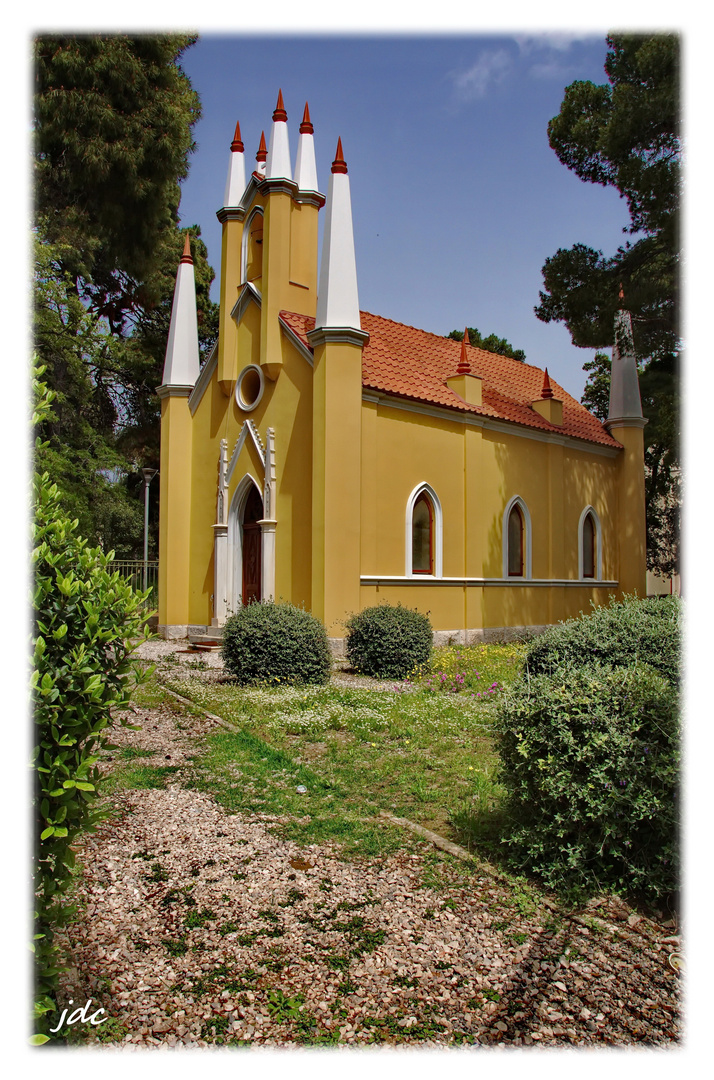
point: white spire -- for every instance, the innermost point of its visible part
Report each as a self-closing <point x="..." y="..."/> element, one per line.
<point x="337" y="302"/>
<point x="278" y="164"/>
<point x="181" y="365"/>
<point x="235" y="184"/>
<point x="625" y="399"/>
<point x="305" y="168"/>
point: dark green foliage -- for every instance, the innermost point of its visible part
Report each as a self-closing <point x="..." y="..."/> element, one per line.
<point x="113" y="119"/>
<point x="86" y="623"/>
<point x="590" y="759"/>
<point x="492" y="343"/>
<point x="276" y="643"/>
<point x="622" y="634"/>
<point x="623" y="134"/>
<point x="388" y="642"/>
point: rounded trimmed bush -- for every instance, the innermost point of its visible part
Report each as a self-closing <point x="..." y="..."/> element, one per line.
<point x="388" y="642"/>
<point x="590" y="762"/>
<point x="623" y="633"/>
<point x="278" y="643"/>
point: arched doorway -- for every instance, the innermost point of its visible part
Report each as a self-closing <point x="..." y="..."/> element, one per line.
<point x="251" y="588"/>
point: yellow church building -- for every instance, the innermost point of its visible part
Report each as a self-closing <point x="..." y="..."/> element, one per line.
<point x="336" y="459"/>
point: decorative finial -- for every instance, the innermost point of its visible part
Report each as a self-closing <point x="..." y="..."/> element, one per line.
<point x="306" y="127"/>
<point x="547" y="391"/>
<point x="280" y="113"/>
<point x="339" y="165"/>
<point x="186" y="257"/>
<point x="237" y="145"/>
<point x="262" y="154"/>
<point x="464" y="367"/>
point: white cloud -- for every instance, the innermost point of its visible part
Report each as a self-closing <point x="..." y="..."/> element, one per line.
<point x="558" y="41"/>
<point x="489" y="69"/>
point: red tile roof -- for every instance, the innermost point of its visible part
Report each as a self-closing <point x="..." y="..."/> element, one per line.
<point x="415" y="364"/>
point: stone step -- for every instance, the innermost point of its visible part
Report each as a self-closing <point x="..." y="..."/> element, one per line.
<point x="211" y="641"/>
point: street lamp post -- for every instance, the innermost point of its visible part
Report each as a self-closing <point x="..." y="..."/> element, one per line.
<point x="149" y="475"/>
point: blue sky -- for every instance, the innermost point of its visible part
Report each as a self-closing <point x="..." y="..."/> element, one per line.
<point x="457" y="197"/>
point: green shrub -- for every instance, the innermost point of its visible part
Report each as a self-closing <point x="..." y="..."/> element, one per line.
<point x="621" y="634"/>
<point x="388" y="642"/>
<point x="590" y="763"/>
<point x="86" y="622"/>
<point x="280" y="643"/>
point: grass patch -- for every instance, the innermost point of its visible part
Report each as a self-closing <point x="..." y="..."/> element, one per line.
<point x="420" y="753"/>
<point x="139" y="776"/>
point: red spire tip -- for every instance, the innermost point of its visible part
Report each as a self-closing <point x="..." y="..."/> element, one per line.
<point x="262" y="154"/>
<point x="339" y="165"/>
<point x="464" y="367"/>
<point x="237" y="144"/>
<point x="186" y="257"/>
<point x="547" y="391"/>
<point x="306" y="127"/>
<point x="280" y="113"/>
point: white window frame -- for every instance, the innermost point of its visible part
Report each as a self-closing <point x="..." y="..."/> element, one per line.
<point x="527" y="545"/>
<point x="438" y="519"/>
<point x="598" y="544"/>
<point x="245" y="240"/>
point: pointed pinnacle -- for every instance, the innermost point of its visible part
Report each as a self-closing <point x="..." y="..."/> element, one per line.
<point x="339" y="165"/>
<point x="306" y="127"/>
<point x="464" y="367"/>
<point x="237" y="145"/>
<point x="280" y="113"/>
<point x="262" y="154"/>
<point x="186" y="257"/>
<point x="547" y="391"/>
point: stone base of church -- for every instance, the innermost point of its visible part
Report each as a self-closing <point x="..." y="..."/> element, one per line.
<point x="463" y="637"/>
<point x="180" y="631"/>
<point x="440" y="637"/>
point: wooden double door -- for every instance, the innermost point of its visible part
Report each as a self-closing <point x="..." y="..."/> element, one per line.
<point x="252" y="548"/>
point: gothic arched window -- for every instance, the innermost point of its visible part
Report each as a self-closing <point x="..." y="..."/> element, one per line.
<point x="423" y="536"/>
<point x="589" y="561"/>
<point x="515" y="542"/>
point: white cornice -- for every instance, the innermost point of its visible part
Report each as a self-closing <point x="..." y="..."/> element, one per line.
<point x="312" y="198"/>
<point x="376" y="397"/>
<point x="479" y="582"/>
<point x="230" y="213"/>
<point x="339" y="335"/>
<point x="624" y="421"/>
<point x="171" y="390"/>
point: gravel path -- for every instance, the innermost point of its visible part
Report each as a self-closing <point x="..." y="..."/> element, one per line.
<point x="200" y="927"/>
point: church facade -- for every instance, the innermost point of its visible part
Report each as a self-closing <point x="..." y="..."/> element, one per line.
<point x="336" y="459"/>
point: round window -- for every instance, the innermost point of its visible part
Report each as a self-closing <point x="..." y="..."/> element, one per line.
<point x="249" y="388"/>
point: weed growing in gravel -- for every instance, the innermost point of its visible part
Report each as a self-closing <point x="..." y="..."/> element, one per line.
<point x="198" y="919"/>
<point x="175" y="947"/>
